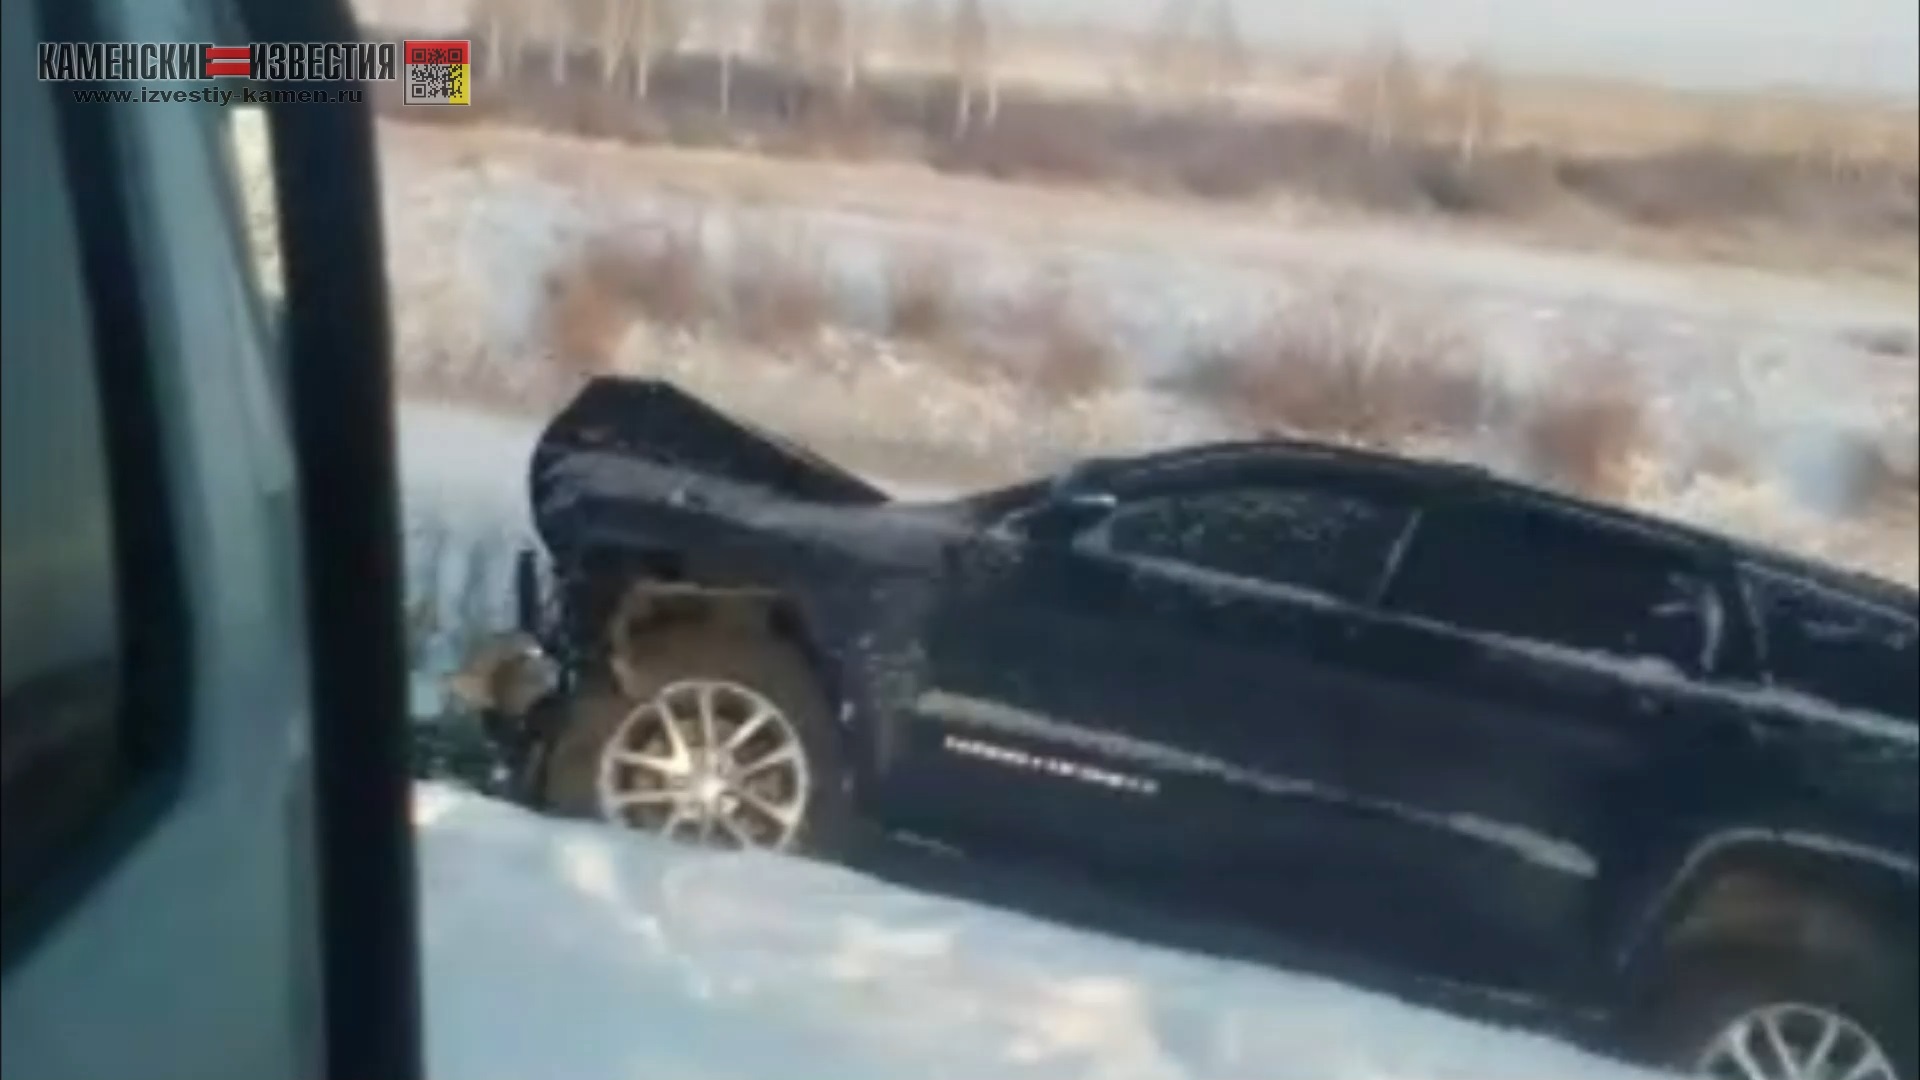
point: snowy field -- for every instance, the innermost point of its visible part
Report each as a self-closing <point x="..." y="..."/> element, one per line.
<point x="563" y="949"/>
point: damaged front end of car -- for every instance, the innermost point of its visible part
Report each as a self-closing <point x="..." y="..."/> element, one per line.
<point x="505" y="695"/>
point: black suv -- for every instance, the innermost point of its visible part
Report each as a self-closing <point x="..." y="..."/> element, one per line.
<point x="1470" y="729"/>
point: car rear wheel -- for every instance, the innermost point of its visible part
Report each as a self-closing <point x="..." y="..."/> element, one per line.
<point x="1744" y="1015"/>
<point x="717" y="739"/>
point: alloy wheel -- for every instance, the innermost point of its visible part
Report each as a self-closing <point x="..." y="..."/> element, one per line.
<point x="1794" y="1042"/>
<point x="707" y="761"/>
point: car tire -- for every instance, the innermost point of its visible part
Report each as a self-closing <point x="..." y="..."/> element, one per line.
<point x="773" y="671"/>
<point x="1706" y="990"/>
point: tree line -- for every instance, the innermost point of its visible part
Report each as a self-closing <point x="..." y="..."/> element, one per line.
<point x="1193" y="53"/>
<point x="826" y="42"/>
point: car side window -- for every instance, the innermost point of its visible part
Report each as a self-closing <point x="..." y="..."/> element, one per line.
<point x="92" y="706"/>
<point x="1331" y="542"/>
<point x="61" y="653"/>
<point x="1834" y="647"/>
<point x="1556" y="579"/>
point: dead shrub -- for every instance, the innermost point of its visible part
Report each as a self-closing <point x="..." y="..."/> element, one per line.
<point x="583" y="318"/>
<point x="1041" y="141"/>
<point x="1338" y="365"/>
<point x="1697" y="183"/>
<point x="664" y="280"/>
<point x="593" y="297"/>
<point x="1061" y="353"/>
<point x="1890" y="341"/>
<point x="920" y="302"/>
<point x="779" y="293"/>
<point x="1581" y="432"/>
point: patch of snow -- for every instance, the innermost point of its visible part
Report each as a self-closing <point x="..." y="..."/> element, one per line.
<point x="567" y="949"/>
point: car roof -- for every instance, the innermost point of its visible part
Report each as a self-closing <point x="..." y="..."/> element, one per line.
<point x="1285" y="451"/>
<point x="1464" y="477"/>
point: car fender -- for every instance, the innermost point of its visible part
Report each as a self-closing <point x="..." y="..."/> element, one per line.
<point x="1812" y="861"/>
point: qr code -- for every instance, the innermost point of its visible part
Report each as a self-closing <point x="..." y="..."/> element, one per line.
<point x="444" y="84"/>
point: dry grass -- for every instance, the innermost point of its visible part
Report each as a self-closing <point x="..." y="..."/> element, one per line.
<point x="1583" y="431"/>
<point x="664" y="279"/>
<point x="779" y="293"/>
<point x="1334" y="364"/>
<point x="595" y="295"/>
<point x="920" y="299"/>
<point x="583" y="315"/>
<point x="1058" y="349"/>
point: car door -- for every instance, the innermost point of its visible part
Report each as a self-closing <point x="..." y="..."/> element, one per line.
<point x="1530" y="666"/>
<point x="1161" y="694"/>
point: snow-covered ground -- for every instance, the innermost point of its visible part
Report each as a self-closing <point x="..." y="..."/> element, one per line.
<point x="565" y="949"/>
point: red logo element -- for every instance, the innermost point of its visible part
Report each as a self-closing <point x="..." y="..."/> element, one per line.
<point x="435" y="52"/>
<point x="229" y="60"/>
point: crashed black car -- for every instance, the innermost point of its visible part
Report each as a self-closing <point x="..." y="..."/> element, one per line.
<point x="1467" y="728"/>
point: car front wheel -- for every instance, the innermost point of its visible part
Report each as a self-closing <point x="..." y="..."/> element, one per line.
<point x="717" y="739"/>
<point x="1748" y="1014"/>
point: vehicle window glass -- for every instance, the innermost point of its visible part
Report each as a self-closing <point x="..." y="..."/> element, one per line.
<point x="61" y="654"/>
<point x="1556" y="580"/>
<point x="1331" y="542"/>
<point x="1822" y="643"/>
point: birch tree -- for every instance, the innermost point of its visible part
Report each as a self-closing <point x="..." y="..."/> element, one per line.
<point x="1472" y="106"/>
<point x="503" y="26"/>
<point x="658" y="26"/>
<point x="1227" y="60"/>
<point x="779" y="37"/>
<point x="972" y="54"/>
<point x="1382" y="95"/>
<point x="720" y="23"/>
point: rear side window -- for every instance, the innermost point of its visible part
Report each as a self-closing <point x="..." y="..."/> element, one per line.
<point x="1831" y="646"/>
<point x="1336" y="543"/>
<point x="92" y="722"/>
<point x="1538" y="575"/>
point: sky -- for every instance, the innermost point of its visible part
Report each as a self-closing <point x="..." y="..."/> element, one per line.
<point x="1848" y="45"/>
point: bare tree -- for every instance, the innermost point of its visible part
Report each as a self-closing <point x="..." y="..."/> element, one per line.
<point x="658" y="28"/>
<point x="610" y="25"/>
<point x="1471" y="104"/>
<point x="1382" y="94"/>
<point x="502" y="25"/>
<point x="780" y="38"/>
<point x="780" y="34"/>
<point x="1169" y="49"/>
<point x="831" y="43"/>
<point x="554" y="23"/>
<point x="1227" y="60"/>
<point x="972" y="52"/>
<point x="720" y="23"/>
<point x="922" y="29"/>
<point x="856" y="32"/>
